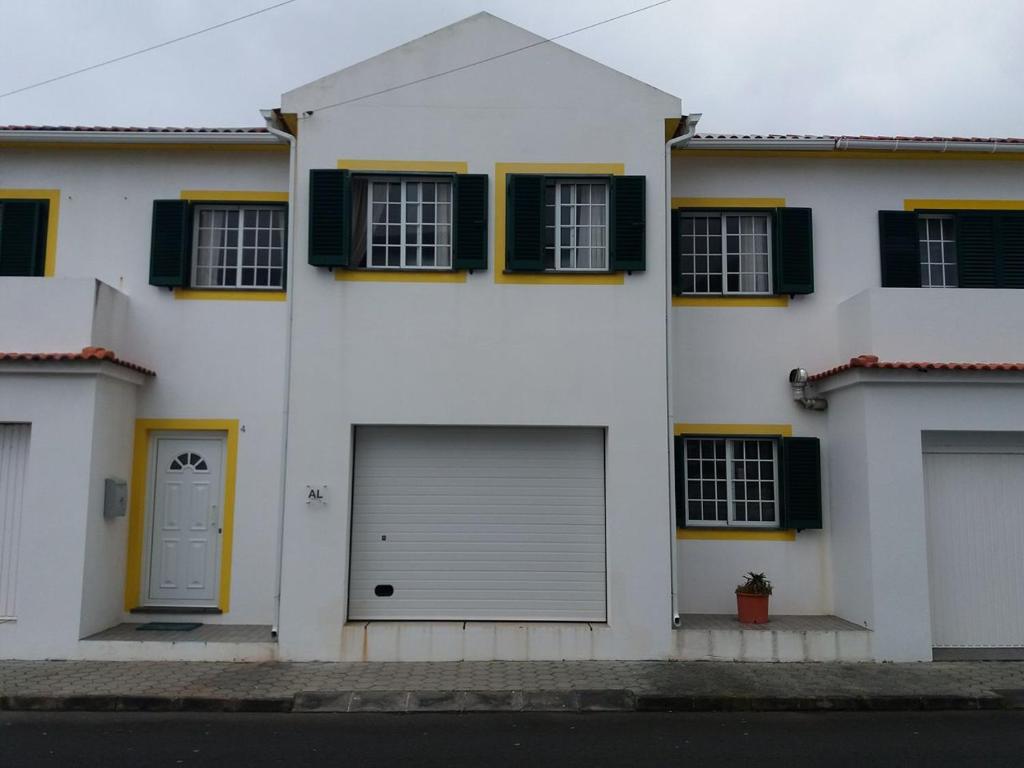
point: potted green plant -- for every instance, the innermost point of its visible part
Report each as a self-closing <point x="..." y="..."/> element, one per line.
<point x="752" y="599"/>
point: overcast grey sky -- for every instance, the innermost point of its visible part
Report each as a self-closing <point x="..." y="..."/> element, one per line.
<point x="806" y="66"/>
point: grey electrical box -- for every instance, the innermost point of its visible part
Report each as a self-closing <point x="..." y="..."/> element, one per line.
<point x="115" y="498"/>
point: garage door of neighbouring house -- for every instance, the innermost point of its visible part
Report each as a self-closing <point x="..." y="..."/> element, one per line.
<point x="13" y="464"/>
<point x="975" y="511"/>
<point x="488" y="523"/>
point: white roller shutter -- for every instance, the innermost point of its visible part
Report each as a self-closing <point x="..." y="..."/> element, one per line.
<point x="499" y="523"/>
<point x="13" y="461"/>
<point x="975" y="514"/>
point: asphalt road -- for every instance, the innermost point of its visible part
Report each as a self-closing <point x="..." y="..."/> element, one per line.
<point x="628" y="739"/>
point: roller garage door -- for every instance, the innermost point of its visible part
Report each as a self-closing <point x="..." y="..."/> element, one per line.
<point x="488" y="523"/>
<point x="975" y="517"/>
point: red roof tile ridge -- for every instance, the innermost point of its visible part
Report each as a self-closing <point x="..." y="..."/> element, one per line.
<point x="872" y="361"/>
<point x="100" y="354"/>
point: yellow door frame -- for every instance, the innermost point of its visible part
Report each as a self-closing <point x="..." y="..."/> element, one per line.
<point x="144" y="429"/>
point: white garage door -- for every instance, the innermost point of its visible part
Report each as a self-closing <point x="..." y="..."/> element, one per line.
<point x="975" y="509"/>
<point x="13" y="462"/>
<point x="499" y="523"/>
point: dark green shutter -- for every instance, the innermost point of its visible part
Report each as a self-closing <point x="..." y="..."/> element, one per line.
<point x="677" y="276"/>
<point x="470" y="238"/>
<point x="23" y="237"/>
<point x="628" y="224"/>
<point x="1011" y="250"/>
<point x="901" y="254"/>
<point x="680" y="470"/>
<point x="524" y="223"/>
<point x="976" y="240"/>
<point x="800" y="474"/>
<point x="330" y="218"/>
<point x="169" y="243"/>
<point x="794" y="251"/>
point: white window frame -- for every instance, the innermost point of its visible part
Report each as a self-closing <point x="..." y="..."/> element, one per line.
<point x="731" y="521"/>
<point x="241" y="208"/>
<point x="404" y="181"/>
<point x="924" y="260"/>
<point x="573" y="228"/>
<point x="723" y="215"/>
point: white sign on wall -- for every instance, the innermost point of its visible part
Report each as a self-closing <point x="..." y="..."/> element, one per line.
<point x="316" y="495"/>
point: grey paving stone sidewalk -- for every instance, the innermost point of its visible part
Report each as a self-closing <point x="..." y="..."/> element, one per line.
<point x="509" y="685"/>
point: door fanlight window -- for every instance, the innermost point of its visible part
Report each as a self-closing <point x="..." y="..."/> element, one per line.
<point x="189" y="460"/>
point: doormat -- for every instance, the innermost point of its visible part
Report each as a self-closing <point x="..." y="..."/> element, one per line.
<point x="168" y="626"/>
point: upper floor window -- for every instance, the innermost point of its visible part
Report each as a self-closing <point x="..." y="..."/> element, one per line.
<point x="218" y="246"/>
<point x="952" y="249"/>
<point x="756" y="252"/>
<point x="397" y="221"/>
<point x="238" y="246"/>
<point x="938" y="251"/>
<point x="402" y="222"/>
<point x="725" y="253"/>
<point x="575" y="225"/>
<point x="23" y="226"/>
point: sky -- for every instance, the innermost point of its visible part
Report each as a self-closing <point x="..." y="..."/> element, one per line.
<point x="909" y="67"/>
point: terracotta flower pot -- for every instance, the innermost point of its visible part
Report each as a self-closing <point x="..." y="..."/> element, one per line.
<point x="752" y="609"/>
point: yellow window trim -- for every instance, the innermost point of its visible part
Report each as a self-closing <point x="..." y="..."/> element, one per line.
<point x="720" y="534"/>
<point x="966" y="205"/>
<point x="53" y="195"/>
<point x="140" y="490"/>
<point x="728" y="202"/>
<point x="717" y="534"/>
<point x="401" y="166"/>
<point x="501" y="170"/>
<point x="214" y="294"/>
<point x="234" y="196"/>
<point x="783" y="430"/>
<point x="231" y="196"/>
<point x="729" y="301"/>
<point x="848" y="154"/>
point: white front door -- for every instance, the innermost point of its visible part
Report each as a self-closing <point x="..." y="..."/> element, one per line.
<point x="185" y="522"/>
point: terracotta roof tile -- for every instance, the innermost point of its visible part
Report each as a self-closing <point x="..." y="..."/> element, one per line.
<point x="838" y="137"/>
<point x="87" y="354"/>
<point x="872" y="362"/>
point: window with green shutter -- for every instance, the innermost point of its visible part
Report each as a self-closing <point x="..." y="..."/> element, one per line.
<point x="748" y="482"/>
<point x="218" y="245"/>
<point x="575" y="224"/>
<point x="748" y="252"/>
<point x="23" y="237"/>
<point x="394" y="221"/>
<point x="952" y="249"/>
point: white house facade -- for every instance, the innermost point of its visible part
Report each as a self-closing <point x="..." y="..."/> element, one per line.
<point x="481" y="368"/>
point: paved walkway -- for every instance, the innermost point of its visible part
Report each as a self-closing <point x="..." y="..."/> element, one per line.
<point x="538" y="685"/>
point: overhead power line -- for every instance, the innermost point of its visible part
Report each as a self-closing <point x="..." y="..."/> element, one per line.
<point x="145" y="50"/>
<point x="489" y="58"/>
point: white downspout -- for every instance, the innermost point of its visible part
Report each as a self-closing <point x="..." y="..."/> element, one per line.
<point x="678" y="141"/>
<point x="285" y="412"/>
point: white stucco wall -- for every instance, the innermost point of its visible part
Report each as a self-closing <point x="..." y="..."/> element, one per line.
<point x="61" y="410"/>
<point x="215" y="359"/>
<point x="731" y="363"/>
<point x="481" y="353"/>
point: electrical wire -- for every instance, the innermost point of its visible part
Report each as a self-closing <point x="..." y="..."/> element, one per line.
<point x="145" y="50"/>
<point x="436" y="75"/>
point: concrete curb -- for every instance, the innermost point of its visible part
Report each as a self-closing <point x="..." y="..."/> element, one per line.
<point x="409" y="702"/>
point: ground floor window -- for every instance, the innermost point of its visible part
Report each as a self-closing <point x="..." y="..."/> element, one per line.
<point x="731" y="481"/>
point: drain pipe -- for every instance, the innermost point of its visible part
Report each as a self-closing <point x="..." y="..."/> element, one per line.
<point x="798" y="382"/>
<point x="273" y="119"/>
<point x="679" y="141"/>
